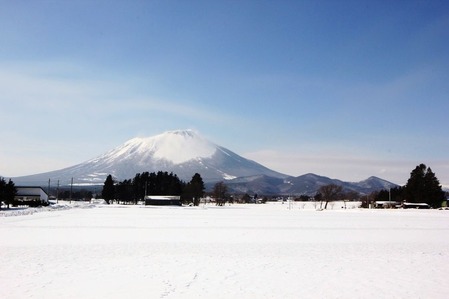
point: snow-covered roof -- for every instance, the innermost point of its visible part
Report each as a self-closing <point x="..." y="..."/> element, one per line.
<point x="30" y="190"/>
<point x="163" y="197"/>
<point x="415" y="204"/>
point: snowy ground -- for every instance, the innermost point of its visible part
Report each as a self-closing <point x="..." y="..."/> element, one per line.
<point x="239" y="251"/>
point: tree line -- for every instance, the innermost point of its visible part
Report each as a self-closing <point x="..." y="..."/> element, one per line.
<point x="422" y="187"/>
<point x="133" y="190"/>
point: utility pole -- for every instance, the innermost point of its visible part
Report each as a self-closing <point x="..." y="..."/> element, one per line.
<point x="57" y="192"/>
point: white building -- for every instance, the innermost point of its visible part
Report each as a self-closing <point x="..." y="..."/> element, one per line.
<point x="31" y="194"/>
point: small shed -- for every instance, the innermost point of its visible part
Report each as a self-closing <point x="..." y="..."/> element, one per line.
<point x="31" y="196"/>
<point x="163" y="200"/>
<point x="386" y="204"/>
<point x="415" y="205"/>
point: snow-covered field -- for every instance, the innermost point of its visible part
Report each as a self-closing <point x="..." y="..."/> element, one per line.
<point x="239" y="251"/>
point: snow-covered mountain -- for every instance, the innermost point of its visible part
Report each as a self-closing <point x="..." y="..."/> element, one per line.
<point x="183" y="152"/>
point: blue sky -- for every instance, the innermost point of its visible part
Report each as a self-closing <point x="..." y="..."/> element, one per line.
<point x="346" y="89"/>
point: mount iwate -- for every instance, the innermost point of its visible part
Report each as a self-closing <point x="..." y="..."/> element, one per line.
<point x="182" y="152"/>
<point x="185" y="153"/>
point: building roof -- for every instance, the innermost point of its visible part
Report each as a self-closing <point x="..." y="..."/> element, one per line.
<point x="163" y="197"/>
<point x="22" y="190"/>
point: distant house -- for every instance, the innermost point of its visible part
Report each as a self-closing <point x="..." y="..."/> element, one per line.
<point x="163" y="200"/>
<point x="417" y="205"/>
<point x="30" y="196"/>
<point x="386" y="204"/>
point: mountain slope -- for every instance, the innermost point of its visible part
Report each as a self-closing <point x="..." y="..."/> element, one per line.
<point x="182" y="152"/>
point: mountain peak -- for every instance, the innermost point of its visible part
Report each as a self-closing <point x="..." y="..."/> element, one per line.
<point x="173" y="147"/>
<point x="181" y="146"/>
<point x="185" y="133"/>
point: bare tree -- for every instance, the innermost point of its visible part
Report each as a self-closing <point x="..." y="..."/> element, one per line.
<point x="219" y="192"/>
<point x="330" y="192"/>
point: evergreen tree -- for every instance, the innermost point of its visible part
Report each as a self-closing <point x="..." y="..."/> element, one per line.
<point x="435" y="194"/>
<point x="108" y="192"/>
<point x="414" y="190"/>
<point x="2" y="191"/>
<point x="423" y="186"/>
<point x="196" y="187"/>
<point x="7" y="192"/>
<point x="125" y="192"/>
<point x="141" y="185"/>
<point x="10" y="193"/>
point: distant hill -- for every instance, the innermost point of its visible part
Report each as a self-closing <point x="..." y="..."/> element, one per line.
<point x="307" y="184"/>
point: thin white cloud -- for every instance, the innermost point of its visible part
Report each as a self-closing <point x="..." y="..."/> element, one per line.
<point x="53" y="90"/>
<point x="55" y="114"/>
